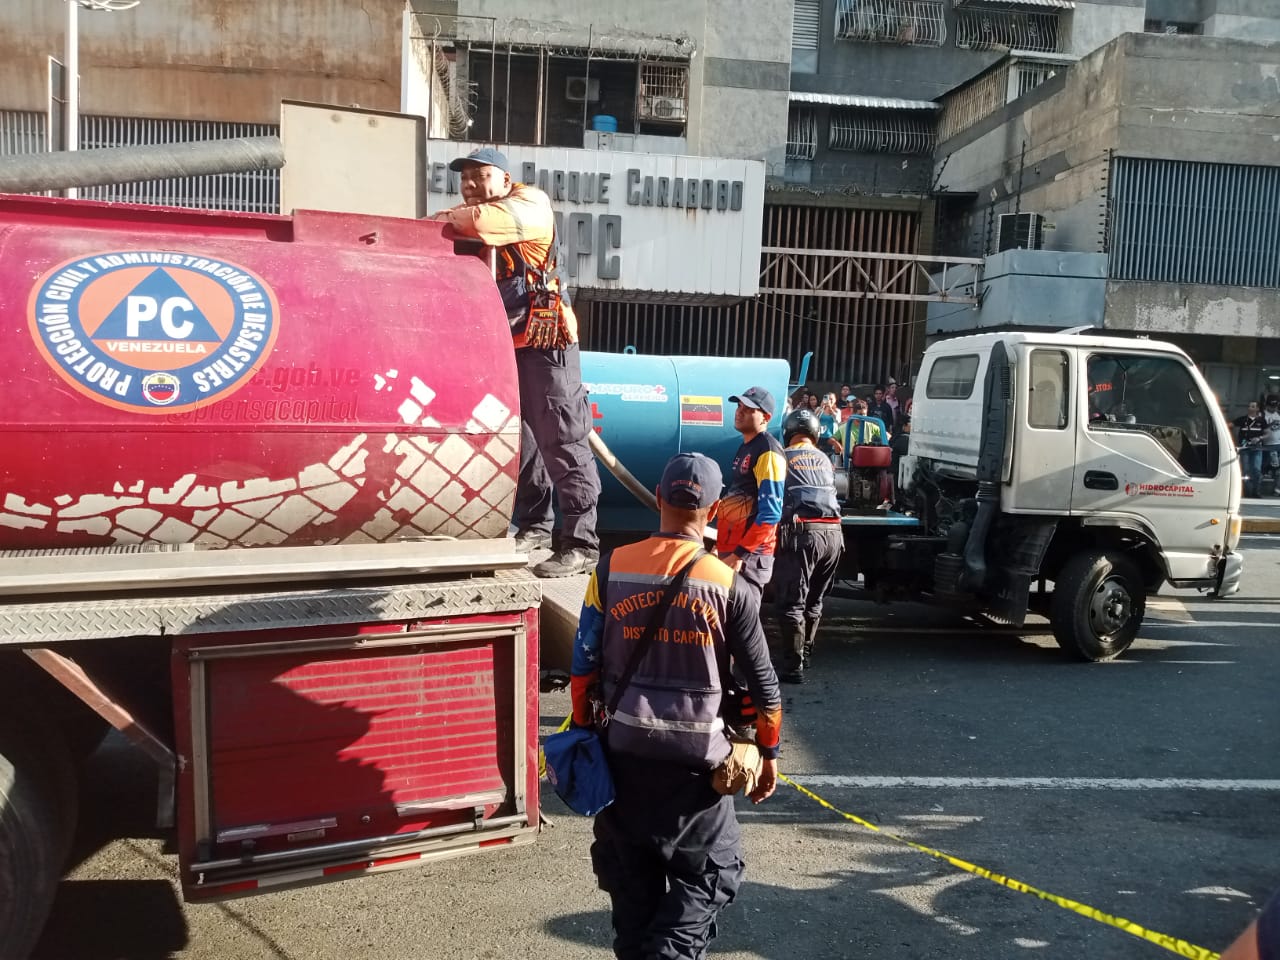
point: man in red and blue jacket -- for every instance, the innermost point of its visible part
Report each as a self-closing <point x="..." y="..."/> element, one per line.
<point x="752" y="506"/>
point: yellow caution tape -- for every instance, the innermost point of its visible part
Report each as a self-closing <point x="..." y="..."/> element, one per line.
<point x="542" y="757"/>
<point x="1181" y="947"/>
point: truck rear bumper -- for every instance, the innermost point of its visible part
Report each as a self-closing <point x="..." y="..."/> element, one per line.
<point x="1230" y="573"/>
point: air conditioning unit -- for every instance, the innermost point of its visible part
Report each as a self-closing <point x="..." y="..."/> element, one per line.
<point x="663" y="108"/>
<point x="581" y="90"/>
<point x="1020" y="231"/>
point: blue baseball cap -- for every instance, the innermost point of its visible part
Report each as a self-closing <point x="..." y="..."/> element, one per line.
<point x="487" y="156"/>
<point x="691" y="481"/>
<point x="757" y="397"/>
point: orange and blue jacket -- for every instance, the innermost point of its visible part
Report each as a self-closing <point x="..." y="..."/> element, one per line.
<point x="671" y="709"/>
<point x="523" y="220"/>
<point x="752" y="506"/>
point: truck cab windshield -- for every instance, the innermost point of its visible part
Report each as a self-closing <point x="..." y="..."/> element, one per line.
<point x="1157" y="396"/>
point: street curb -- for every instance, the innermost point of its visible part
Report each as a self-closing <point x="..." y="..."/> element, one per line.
<point x="1260" y="524"/>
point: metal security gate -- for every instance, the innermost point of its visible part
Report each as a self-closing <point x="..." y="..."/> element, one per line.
<point x="856" y="339"/>
<point x="256" y="191"/>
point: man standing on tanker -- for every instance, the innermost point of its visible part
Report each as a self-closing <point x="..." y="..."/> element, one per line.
<point x="516" y="220"/>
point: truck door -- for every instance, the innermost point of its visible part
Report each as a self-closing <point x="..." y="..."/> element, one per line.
<point x="1149" y="452"/>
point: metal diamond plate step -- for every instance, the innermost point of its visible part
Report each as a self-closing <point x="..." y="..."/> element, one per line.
<point x="88" y="617"/>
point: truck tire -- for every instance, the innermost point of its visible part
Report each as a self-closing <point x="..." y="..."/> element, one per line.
<point x="1098" y="604"/>
<point x="29" y="851"/>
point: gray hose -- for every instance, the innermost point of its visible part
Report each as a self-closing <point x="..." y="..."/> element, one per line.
<point x="628" y="479"/>
<point x="625" y="476"/>
<point x="33" y="172"/>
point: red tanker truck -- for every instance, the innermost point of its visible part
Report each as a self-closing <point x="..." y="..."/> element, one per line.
<point x="357" y="692"/>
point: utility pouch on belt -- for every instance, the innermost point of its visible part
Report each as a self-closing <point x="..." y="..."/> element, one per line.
<point x="740" y="770"/>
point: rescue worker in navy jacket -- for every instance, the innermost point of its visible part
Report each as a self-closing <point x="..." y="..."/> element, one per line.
<point x="667" y="850"/>
<point x="752" y="506"/>
<point x="810" y="542"/>
<point x="517" y="220"/>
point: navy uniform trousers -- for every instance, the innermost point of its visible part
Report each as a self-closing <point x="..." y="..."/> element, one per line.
<point x="554" y="453"/>
<point x="805" y="569"/>
<point x="667" y="852"/>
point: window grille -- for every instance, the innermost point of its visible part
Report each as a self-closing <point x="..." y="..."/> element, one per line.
<point x="806" y="17"/>
<point x="802" y="133"/>
<point x="21" y="131"/>
<point x="915" y="22"/>
<point x="663" y="93"/>
<point x="977" y="99"/>
<point x="1028" y="76"/>
<point x="253" y="191"/>
<point x="882" y="131"/>
<point x="979" y="29"/>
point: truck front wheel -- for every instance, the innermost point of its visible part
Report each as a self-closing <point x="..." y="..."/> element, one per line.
<point x="1098" y="604"/>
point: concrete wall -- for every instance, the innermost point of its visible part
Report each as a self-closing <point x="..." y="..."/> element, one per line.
<point x="1168" y="308"/>
<point x="1067" y="125"/>
<point x="1143" y="95"/>
<point x="1095" y="23"/>
<point x="231" y="60"/>
<point x="1200" y="98"/>
<point x="745" y="77"/>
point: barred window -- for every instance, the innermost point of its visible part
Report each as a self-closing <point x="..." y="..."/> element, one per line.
<point x="882" y="131"/>
<point x="802" y="133"/>
<point x="916" y="22"/>
<point x="982" y="29"/>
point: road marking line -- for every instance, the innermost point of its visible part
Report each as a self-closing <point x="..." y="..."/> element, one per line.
<point x="1176" y="945"/>
<point x="1204" y="623"/>
<point x="1038" y="783"/>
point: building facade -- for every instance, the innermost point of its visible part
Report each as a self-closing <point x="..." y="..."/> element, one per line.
<point x="887" y="142"/>
<point x="1136" y="191"/>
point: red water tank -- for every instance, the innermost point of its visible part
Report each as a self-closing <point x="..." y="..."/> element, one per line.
<point x="238" y="380"/>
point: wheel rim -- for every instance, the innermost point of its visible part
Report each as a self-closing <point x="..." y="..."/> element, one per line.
<point x="1110" y="608"/>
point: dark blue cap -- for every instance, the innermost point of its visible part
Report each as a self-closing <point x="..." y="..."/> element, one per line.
<point x="485" y="155"/>
<point x="757" y="397"/>
<point x="691" y="481"/>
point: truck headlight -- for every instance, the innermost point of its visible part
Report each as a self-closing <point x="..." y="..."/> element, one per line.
<point x="1234" y="525"/>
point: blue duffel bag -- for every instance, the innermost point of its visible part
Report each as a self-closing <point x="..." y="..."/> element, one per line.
<point x="578" y="770"/>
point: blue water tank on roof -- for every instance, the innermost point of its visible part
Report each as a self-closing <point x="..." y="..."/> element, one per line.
<point x="649" y="408"/>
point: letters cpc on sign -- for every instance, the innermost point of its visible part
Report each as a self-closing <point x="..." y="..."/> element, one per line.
<point x="585" y="234"/>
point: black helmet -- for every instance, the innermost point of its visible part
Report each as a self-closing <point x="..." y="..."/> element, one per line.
<point x="800" y="421"/>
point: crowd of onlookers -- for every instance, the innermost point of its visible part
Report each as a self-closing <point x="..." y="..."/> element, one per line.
<point x="1258" y="438"/>
<point x="834" y="410"/>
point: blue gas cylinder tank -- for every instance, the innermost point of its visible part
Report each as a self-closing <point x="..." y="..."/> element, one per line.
<point x="649" y="408"/>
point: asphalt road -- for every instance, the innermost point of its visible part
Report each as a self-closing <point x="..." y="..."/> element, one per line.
<point x="1166" y="812"/>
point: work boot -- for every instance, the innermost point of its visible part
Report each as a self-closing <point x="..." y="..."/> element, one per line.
<point x="565" y="563"/>
<point x="792" y="660"/>
<point x="529" y="540"/>
<point x="810" y="639"/>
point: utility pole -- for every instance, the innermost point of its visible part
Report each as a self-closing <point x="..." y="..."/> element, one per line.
<point x="71" y="57"/>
